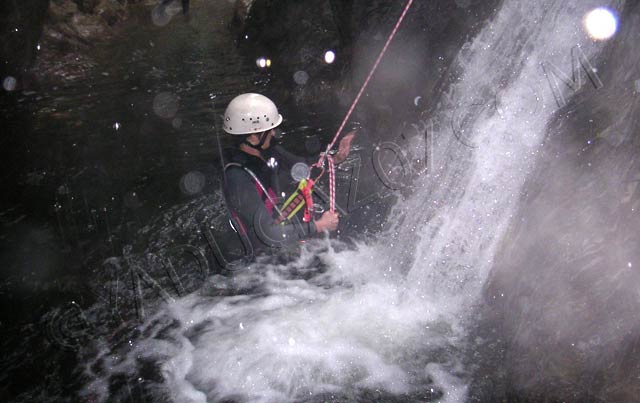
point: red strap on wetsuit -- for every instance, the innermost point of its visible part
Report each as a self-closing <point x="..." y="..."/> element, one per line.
<point x="308" y="199"/>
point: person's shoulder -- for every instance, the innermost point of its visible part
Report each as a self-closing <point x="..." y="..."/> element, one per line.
<point x="234" y="170"/>
<point x="233" y="155"/>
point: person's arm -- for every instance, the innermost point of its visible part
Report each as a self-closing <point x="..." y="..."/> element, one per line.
<point x="292" y="158"/>
<point x="245" y="200"/>
<point x="344" y="147"/>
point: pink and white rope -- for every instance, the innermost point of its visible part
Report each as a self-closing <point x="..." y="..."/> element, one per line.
<point x="324" y="155"/>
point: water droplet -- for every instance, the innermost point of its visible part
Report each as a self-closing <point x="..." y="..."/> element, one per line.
<point x="301" y="77"/>
<point x="263" y="62"/>
<point x="600" y="24"/>
<point x="192" y="183"/>
<point x="165" y="105"/>
<point x="9" y="83"/>
<point x="329" y="56"/>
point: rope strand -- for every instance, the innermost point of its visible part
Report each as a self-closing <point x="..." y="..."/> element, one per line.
<point x="366" y="81"/>
<point x="351" y="109"/>
<point x="332" y="184"/>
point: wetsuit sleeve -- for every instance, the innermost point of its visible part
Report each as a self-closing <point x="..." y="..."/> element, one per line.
<point x="247" y="203"/>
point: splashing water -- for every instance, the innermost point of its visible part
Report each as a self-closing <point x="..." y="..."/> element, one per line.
<point x="386" y="316"/>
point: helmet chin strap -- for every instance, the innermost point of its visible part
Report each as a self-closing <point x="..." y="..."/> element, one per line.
<point x="263" y="139"/>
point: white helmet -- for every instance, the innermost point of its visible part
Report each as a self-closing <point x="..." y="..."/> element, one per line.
<point x="250" y="113"/>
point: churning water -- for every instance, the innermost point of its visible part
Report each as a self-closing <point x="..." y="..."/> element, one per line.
<point x="384" y="316"/>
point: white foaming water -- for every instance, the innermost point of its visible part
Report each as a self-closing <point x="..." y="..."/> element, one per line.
<point x="381" y="317"/>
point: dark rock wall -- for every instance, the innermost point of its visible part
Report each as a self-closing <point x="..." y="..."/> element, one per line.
<point x="20" y="29"/>
<point x="418" y="61"/>
<point x="48" y="38"/>
<point x="564" y="293"/>
<point x="295" y="34"/>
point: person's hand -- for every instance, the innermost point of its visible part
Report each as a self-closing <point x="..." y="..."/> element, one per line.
<point x="328" y="221"/>
<point x="344" y="148"/>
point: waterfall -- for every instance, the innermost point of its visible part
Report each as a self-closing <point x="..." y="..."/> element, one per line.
<point x="388" y="316"/>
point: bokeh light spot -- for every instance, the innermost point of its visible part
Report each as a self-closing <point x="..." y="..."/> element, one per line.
<point x="159" y="16"/>
<point x="329" y="56"/>
<point x="263" y="62"/>
<point x="600" y="24"/>
<point x="9" y="83"/>
<point x="192" y="183"/>
<point x="300" y="77"/>
<point x="165" y="105"/>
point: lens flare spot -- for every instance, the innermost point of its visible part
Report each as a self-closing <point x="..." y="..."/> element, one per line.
<point x="600" y="24"/>
<point x="301" y="77"/>
<point x="9" y="83"/>
<point x="329" y="56"/>
<point x="159" y="16"/>
<point x="166" y="105"/>
<point x="192" y="183"/>
<point x="263" y="62"/>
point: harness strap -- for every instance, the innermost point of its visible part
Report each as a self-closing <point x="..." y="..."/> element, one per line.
<point x="308" y="199"/>
<point x="259" y="184"/>
<point x="294" y="203"/>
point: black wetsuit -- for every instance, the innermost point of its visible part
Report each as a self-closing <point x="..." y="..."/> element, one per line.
<point x="248" y="203"/>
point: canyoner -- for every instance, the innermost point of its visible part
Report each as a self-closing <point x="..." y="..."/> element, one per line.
<point x="254" y="213"/>
<point x="258" y="176"/>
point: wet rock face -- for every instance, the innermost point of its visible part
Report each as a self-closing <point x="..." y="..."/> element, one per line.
<point x="564" y="291"/>
<point x="87" y="6"/>
<point x="241" y="13"/>
<point x="51" y="36"/>
<point x="72" y="27"/>
<point x="83" y="20"/>
<point x="296" y="34"/>
<point x="20" y="29"/>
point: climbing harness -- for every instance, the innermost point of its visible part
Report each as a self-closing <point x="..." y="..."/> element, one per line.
<point x="259" y="184"/>
<point x="320" y="163"/>
<point x="302" y="197"/>
<point x="307" y="188"/>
